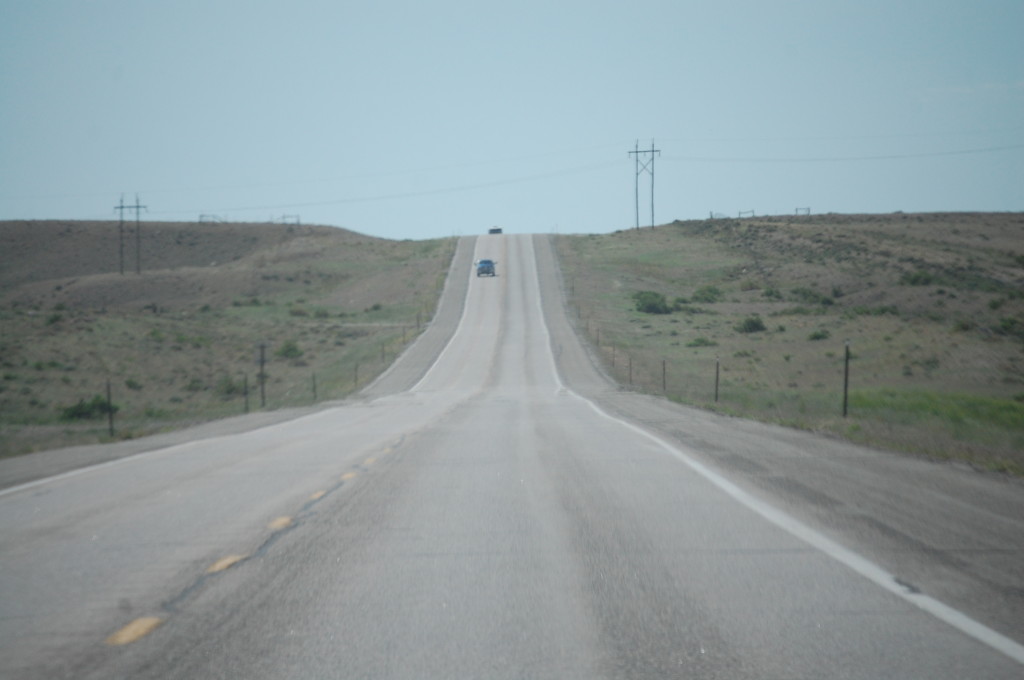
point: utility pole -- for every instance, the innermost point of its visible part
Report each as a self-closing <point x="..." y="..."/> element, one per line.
<point x="120" y="231"/>
<point x="138" y="234"/>
<point x="646" y="166"/>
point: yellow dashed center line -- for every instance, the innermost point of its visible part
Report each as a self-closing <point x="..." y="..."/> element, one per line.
<point x="280" y="523"/>
<point x="225" y="563"/>
<point x="370" y="461"/>
<point x="133" y="631"/>
<point x="145" y="625"/>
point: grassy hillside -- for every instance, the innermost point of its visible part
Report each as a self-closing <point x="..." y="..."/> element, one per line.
<point x="179" y="341"/>
<point x="932" y="306"/>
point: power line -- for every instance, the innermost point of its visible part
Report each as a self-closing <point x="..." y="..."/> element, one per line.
<point x="410" y="194"/>
<point x="856" y="137"/>
<point x="334" y="180"/>
<point x="837" y="159"/>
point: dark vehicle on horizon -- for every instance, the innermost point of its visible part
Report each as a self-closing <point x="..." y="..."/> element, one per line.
<point x="486" y="268"/>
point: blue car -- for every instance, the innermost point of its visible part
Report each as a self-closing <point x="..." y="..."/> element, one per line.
<point x="485" y="268"/>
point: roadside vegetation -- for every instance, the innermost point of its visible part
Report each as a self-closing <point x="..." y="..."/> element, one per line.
<point x="181" y="342"/>
<point x="932" y="307"/>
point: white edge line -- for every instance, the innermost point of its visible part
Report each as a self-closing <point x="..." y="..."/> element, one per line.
<point x="543" y="321"/>
<point x="845" y="556"/>
<point x="451" y="340"/>
<point x="92" y="468"/>
<point x="141" y="455"/>
<point x="395" y="363"/>
<point x="798" y="529"/>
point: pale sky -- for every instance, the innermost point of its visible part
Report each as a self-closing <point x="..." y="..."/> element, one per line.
<point x="429" y="118"/>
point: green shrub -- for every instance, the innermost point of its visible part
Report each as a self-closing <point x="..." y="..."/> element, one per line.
<point x="229" y="387"/>
<point x="701" y="342"/>
<point x="861" y="310"/>
<point x="691" y="309"/>
<point x="289" y="350"/>
<point x="812" y="297"/>
<point x="97" y="407"/>
<point x="819" y="335"/>
<point x="800" y="310"/>
<point x="918" y="278"/>
<point x="198" y="341"/>
<point x="649" y="302"/>
<point x="707" y="294"/>
<point x="752" y="324"/>
<point x="1012" y="326"/>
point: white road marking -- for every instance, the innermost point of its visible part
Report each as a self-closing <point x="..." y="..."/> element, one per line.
<point x="841" y="554"/>
<point x="451" y="340"/>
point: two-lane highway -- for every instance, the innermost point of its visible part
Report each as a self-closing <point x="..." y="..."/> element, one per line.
<point x="483" y="514"/>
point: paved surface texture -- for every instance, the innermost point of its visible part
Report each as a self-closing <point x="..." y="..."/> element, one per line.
<point x="493" y="507"/>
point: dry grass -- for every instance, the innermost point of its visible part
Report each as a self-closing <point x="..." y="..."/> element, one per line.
<point x="178" y="341"/>
<point x="932" y="306"/>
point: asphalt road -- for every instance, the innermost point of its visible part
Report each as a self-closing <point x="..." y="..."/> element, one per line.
<point x="492" y="507"/>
